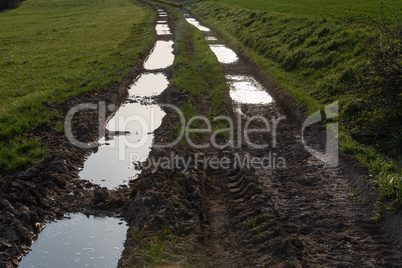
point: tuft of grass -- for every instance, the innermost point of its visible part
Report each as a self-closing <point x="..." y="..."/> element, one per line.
<point x="222" y="129"/>
<point x="386" y="172"/>
<point x="379" y="212"/>
<point x="136" y="233"/>
<point x="354" y="194"/>
<point x="53" y="50"/>
<point x="390" y="186"/>
<point x="154" y="251"/>
<point x="250" y="223"/>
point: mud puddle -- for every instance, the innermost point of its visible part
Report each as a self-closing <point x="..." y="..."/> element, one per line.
<point x="245" y="89"/>
<point x="81" y="241"/>
<point x="211" y="38"/>
<point x="148" y="84"/>
<point x="162" y="28"/>
<point x="113" y="164"/>
<point x="224" y="54"/>
<point x="130" y="130"/>
<point x="161" y="56"/>
<point x="196" y="23"/>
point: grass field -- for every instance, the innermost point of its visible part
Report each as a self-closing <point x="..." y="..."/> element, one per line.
<point x="312" y="53"/>
<point x="52" y="50"/>
<point x="325" y="8"/>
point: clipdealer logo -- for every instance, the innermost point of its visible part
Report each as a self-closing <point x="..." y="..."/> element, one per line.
<point x="269" y="128"/>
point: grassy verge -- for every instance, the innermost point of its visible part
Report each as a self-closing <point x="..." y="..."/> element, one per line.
<point x="197" y="72"/>
<point x="311" y="54"/>
<point x="196" y="69"/>
<point x="318" y="8"/>
<point x="154" y="250"/>
<point x="53" y="50"/>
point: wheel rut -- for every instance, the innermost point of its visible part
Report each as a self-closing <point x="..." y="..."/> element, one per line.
<point x="220" y="243"/>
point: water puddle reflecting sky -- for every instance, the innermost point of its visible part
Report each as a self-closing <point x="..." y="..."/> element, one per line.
<point x="161" y="56"/>
<point x="148" y="84"/>
<point x="245" y="89"/>
<point x="112" y="165"/>
<point x="162" y="29"/>
<point x="130" y="130"/>
<point x="211" y="38"/>
<point x="78" y="242"/>
<point x="224" y="54"/>
<point x="196" y="23"/>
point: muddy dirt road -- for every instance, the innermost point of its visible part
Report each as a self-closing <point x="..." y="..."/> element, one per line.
<point x="303" y="212"/>
<point x="296" y="211"/>
<point x="287" y="209"/>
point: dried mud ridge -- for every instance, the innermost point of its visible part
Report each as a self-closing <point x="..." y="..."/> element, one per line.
<point x="298" y="216"/>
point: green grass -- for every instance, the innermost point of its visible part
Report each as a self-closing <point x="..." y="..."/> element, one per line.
<point x="325" y="8"/>
<point x="197" y="72"/>
<point x="250" y="223"/>
<point x="53" y="50"/>
<point x="196" y="69"/>
<point x="136" y="233"/>
<point x="156" y="249"/>
<point x="306" y="54"/>
<point x="310" y="52"/>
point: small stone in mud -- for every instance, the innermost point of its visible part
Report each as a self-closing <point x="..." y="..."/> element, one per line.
<point x="60" y="214"/>
<point x="297" y="243"/>
<point x="101" y="194"/>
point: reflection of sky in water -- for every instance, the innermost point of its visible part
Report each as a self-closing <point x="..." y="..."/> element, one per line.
<point x="161" y="56"/>
<point x="148" y="84"/>
<point x="162" y="29"/>
<point x="224" y="54"/>
<point x="131" y="127"/>
<point x="211" y="38"/>
<point x="78" y="242"/>
<point x="112" y="165"/>
<point x="245" y="89"/>
<point x="195" y="23"/>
